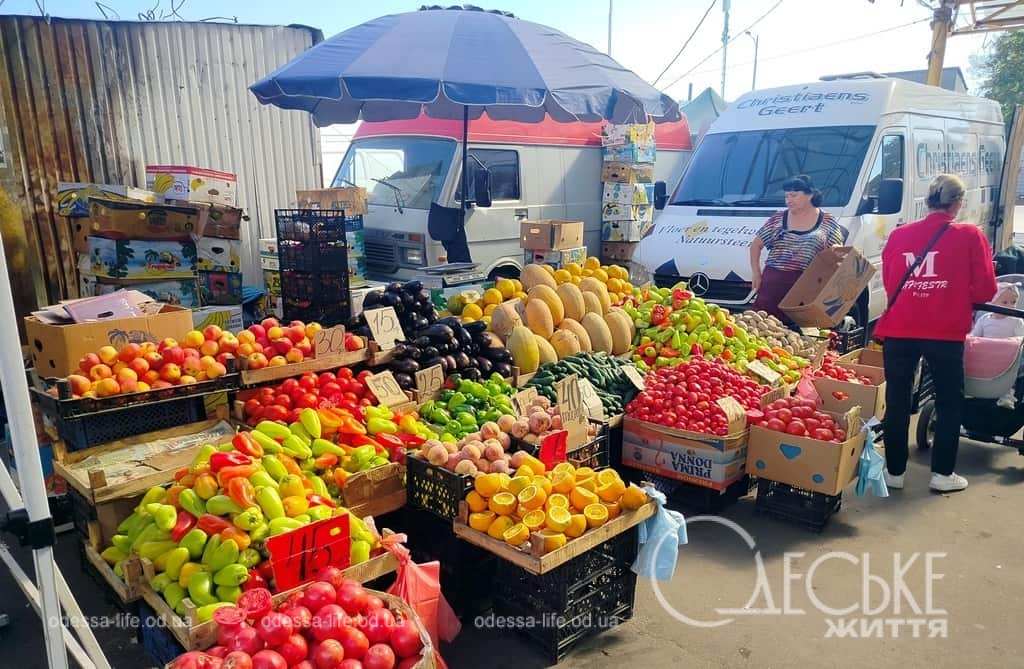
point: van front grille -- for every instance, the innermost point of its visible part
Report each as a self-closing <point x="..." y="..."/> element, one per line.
<point x="381" y="257"/>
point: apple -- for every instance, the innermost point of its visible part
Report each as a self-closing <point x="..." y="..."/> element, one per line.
<point x="129" y="352"/>
<point x="141" y="387"/>
<point x="79" y="384"/>
<point x="246" y="348"/>
<point x="212" y="332"/>
<point x="118" y="366"/>
<point x="282" y="345"/>
<point x="174" y="354"/>
<point x="277" y="361"/>
<point x="156" y="385"/>
<point x="215" y="370"/>
<point x="147" y="346"/>
<point x="139" y="365"/>
<point x="296" y="333"/>
<point x="192" y="366"/>
<point x="150" y="377"/>
<point x="193" y="338"/>
<point x="227" y="342"/>
<point x="257" y="361"/>
<point x="206" y="361"/>
<point x="268" y="323"/>
<point x="126" y="374"/>
<point x="129" y="386"/>
<point x="306" y="346"/>
<point x="108" y="354"/>
<point x="186" y="379"/>
<point x="312" y="329"/>
<point x="170" y="372"/>
<point x="165" y="344"/>
<point x="88" y="361"/>
<point x="209" y="347"/>
<point x="246" y="336"/>
<point x="154" y="359"/>
<point x="106" y="387"/>
<point x="100" y="371"/>
<point x="223" y="358"/>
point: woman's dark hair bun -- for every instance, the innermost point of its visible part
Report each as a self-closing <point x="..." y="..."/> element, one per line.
<point x="804" y="184"/>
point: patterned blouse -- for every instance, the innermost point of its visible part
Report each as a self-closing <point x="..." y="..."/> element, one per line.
<point x="795" y="249"/>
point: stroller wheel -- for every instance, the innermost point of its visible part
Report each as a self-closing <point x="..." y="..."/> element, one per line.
<point x="926" y="426"/>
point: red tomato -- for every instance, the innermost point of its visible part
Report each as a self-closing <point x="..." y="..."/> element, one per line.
<point x="245" y="639"/>
<point x="283" y="400"/>
<point x="217" y="651"/>
<point x="300" y="615"/>
<point x="328" y="654"/>
<point x="332" y="575"/>
<point x="785" y="415"/>
<point x="318" y="595"/>
<point x="275" y="628"/>
<point x="409" y="662"/>
<point x="812" y="424"/>
<point x="256" y="603"/>
<point x="824" y="434"/>
<point x="266" y="400"/>
<point x="345" y="373"/>
<point x="328" y="621"/>
<point x="237" y="660"/>
<point x="331" y="388"/>
<point x="801" y="411"/>
<point x="405" y="638"/>
<point x="376" y="625"/>
<point x="353" y="641"/>
<point x="796" y="427"/>
<point x="839" y="434"/>
<point x="275" y="412"/>
<point x="379" y="656"/>
<point x="252" y="406"/>
<point x="307" y="401"/>
<point x="307" y="382"/>
<point x="326" y="377"/>
<point x="196" y="660"/>
<point x="288" y="385"/>
<point x="268" y="659"/>
<point x="294" y="649"/>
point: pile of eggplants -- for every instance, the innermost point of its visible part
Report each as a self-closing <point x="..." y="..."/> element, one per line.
<point x="463" y="348"/>
<point x="411" y="302"/>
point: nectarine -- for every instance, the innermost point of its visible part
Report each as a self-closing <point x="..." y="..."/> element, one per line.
<point x="294" y="355"/>
<point x="246" y="337"/>
<point x="277" y="361"/>
<point x="88" y="361"/>
<point x="209" y="347"/>
<point x="79" y="384"/>
<point x="150" y="377"/>
<point x="100" y="371"/>
<point x="139" y="365"/>
<point x="296" y="333"/>
<point x="268" y="323"/>
<point x="186" y="379"/>
<point x="245" y="348"/>
<point x="129" y="352"/>
<point x="107" y="387"/>
<point x="108" y="354"/>
<point x="212" y="332"/>
<point x="215" y="370"/>
<point x="193" y="338"/>
<point x="170" y="372"/>
<point x="126" y="374"/>
<point x="141" y="386"/>
<point x="273" y="333"/>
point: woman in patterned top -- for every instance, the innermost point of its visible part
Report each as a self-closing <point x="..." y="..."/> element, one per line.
<point x="793" y="238"/>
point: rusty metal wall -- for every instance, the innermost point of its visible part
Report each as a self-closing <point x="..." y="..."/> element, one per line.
<point x="96" y="101"/>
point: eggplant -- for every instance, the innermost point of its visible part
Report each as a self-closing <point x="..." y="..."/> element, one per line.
<point x="471" y="373"/>
<point x="438" y="332"/>
<point x="412" y="286"/>
<point x="450" y="362"/>
<point x="422" y="342"/>
<point x="419" y="323"/>
<point x="490" y="340"/>
<point x="393" y="287"/>
<point x="422" y="295"/>
<point x="404" y="366"/>
<point x="498" y="355"/>
<point x="426" y="362"/>
<point x="414" y="353"/>
<point x="405" y="382"/>
<point x="450" y="321"/>
<point x="503" y="368"/>
<point x="472" y="349"/>
<point x="463" y="337"/>
<point x="407" y="299"/>
<point x="461" y="360"/>
<point x="484" y="365"/>
<point x="401" y="350"/>
<point x="475" y="328"/>
<point x="373" y="299"/>
<point x="429" y="352"/>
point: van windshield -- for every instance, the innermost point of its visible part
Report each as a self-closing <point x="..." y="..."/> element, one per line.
<point x="749" y="168"/>
<point x="410" y="170"/>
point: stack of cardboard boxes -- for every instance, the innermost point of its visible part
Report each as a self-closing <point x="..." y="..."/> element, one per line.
<point x="270" y="304"/>
<point x="627" y="202"/>
<point x="552" y="242"/>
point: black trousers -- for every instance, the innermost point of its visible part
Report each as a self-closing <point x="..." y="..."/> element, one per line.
<point x="946" y="365"/>
<point x="457" y="249"/>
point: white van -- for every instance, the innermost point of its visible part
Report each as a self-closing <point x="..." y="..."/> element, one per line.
<point x="537" y="171"/>
<point x="871" y="145"/>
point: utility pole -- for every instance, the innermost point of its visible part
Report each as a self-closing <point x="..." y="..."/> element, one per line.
<point x="725" y="41"/>
<point x="753" y="80"/>
<point x="610" y="27"/>
<point x="942" y="20"/>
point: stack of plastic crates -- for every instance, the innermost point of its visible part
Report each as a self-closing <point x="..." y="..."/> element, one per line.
<point x="583" y="597"/>
<point x="435" y="489"/>
<point x="811" y="510"/>
<point x="313" y="255"/>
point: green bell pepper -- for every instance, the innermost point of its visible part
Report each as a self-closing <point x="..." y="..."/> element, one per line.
<point x="194" y="541"/>
<point x="151" y="550"/>
<point x="321" y="446"/>
<point x="250" y="557"/>
<point x="178" y="557"/>
<point x="173" y="594"/>
<point x="262" y="478"/>
<point x="222" y="505"/>
<point x="191" y="502"/>
<point x="269" y="444"/>
<point x="199" y="586"/>
<point x="260" y="532"/>
<point x="164" y="515"/>
<point x="319" y="487"/>
<point x="274" y="467"/>
<point x="282" y="525"/>
<point x="319" y="512"/>
<point x="249" y="518"/>
<point x="160" y="581"/>
<point x="226" y="553"/>
<point x="229" y="593"/>
<point x="212" y="544"/>
<point x="270" y="502"/>
<point x="232" y="574"/>
<point x="153" y="495"/>
<point x="122" y="543"/>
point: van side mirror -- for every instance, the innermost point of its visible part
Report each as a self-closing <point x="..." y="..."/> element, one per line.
<point x="482" y="187"/>
<point x="660" y="195"/>
<point x="890" y="196"/>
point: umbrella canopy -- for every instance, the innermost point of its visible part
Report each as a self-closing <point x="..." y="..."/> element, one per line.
<point x="445" y="61"/>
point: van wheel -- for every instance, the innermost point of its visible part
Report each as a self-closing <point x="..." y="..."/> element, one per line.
<point x="926" y="426"/>
<point x="504" y="272"/>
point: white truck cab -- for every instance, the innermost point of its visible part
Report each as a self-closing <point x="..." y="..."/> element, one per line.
<point x="871" y="144"/>
<point x="537" y="171"/>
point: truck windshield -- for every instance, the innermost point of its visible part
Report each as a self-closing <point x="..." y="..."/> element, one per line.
<point x="415" y="166"/>
<point x="749" y="168"/>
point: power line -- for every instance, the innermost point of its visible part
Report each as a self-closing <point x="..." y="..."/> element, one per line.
<point x="734" y="38"/>
<point x="687" y="42"/>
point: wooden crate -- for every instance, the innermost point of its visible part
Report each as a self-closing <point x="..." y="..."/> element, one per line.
<point x="195" y="635"/>
<point x="256" y="377"/>
<point x="127" y="590"/>
<point x="376" y="491"/>
<point x="535" y="560"/>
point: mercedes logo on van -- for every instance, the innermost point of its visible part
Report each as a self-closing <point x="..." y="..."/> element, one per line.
<point x="699" y="283"/>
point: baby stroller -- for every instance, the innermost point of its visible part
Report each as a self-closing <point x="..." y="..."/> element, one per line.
<point x="991" y="369"/>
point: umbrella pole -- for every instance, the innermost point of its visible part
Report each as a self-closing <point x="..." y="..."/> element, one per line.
<point x="465" y="167"/>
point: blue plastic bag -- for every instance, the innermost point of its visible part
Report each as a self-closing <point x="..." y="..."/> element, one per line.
<point x="661" y="535"/>
<point x="871" y="466"/>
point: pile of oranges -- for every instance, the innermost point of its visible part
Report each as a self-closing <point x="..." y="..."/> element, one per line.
<point x="559" y="505"/>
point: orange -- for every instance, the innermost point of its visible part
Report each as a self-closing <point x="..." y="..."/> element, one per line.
<point x="505" y="480"/>
<point x="577" y="525"/>
<point x="552" y="540"/>
<point x="476" y="502"/>
<point x="482" y="520"/>
<point x="596" y="514"/>
<point x="503" y="504"/>
<point x="557" y="500"/>
<point x="516" y="534"/>
<point x="614" y="510"/>
<point x="499" y="526"/>
<point x="544" y="483"/>
<point x="558" y="519"/>
<point x="564" y="467"/>
<point x="532" y="497"/>
<point x="584" y="473"/>
<point x="581" y="498"/>
<point x="520" y="512"/>
<point x="517" y="483"/>
<point x="563" y="481"/>
<point x="534" y="464"/>
<point x="611" y="491"/>
<point x="487" y="484"/>
<point x="534" y="520"/>
<point x="523" y="472"/>
<point x="633" y="498"/>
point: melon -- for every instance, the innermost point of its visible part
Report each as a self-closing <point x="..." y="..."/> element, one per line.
<point x="591" y="285"/>
<point x="592" y="304"/>
<point x="522" y="344"/>
<point x="504" y="318"/>
<point x="538" y="318"/>
<point x="626" y="319"/>
<point x="572" y="301"/>
<point x="619" y="332"/>
<point x="545" y="350"/>
<point x="548" y="295"/>
<point x="535" y="275"/>
<point x="565" y="343"/>
<point x="581" y="333"/>
<point x="597" y="330"/>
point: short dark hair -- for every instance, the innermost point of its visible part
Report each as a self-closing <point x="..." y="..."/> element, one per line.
<point x="803" y="184"/>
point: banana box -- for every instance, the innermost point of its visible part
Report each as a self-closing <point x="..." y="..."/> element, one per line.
<point x="218" y="255"/>
<point x="179" y="292"/>
<point x="625" y="193"/>
<point x="612" y="211"/>
<point x="141" y="259"/>
<point x="625" y="173"/>
<point x="623" y="231"/>
<point x="73" y="196"/>
<point x="193" y="184"/>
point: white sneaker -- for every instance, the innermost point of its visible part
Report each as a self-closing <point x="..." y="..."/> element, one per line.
<point x="894" y="482"/>
<point x="951" y="483"/>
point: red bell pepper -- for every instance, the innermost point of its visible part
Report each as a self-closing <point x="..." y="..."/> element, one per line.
<point x="246" y="445"/>
<point x="265" y="570"/>
<point x="325" y="461"/>
<point x="315" y="499"/>
<point x="235" y="471"/>
<point x="668" y="352"/>
<point x="220" y="460"/>
<point x="255" y="580"/>
<point x="212" y="524"/>
<point x="186" y="521"/>
<point x="241" y="491"/>
<point x="659" y="314"/>
<point x="680" y="298"/>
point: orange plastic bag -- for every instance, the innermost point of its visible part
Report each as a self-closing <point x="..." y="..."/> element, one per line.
<point x="420" y="586"/>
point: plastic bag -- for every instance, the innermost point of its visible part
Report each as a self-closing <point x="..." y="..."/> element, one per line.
<point x="871" y="466"/>
<point x="805" y="388"/>
<point x="661" y="535"/>
<point x="420" y="586"/>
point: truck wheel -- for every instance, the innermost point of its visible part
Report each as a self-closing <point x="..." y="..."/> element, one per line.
<point x="504" y="272"/>
<point x="926" y="426"/>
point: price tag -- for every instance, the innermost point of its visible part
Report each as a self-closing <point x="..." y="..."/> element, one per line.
<point x="634" y="376"/>
<point x="384" y="327"/>
<point x="330" y="341"/>
<point x="770" y="376"/>
<point x="430" y="380"/>
<point x="734" y="413"/>
<point x="572" y="410"/>
<point x="590" y="399"/>
<point x="386" y="389"/>
<point x="522" y="400"/>
<point x="553" y="448"/>
<point x="297" y="556"/>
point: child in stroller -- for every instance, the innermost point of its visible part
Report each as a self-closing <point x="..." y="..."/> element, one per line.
<point x="982" y="358"/>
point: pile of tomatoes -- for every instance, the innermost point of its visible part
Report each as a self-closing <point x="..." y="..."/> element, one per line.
<point x="831" y="369"/>
<point x="799" y="417"/>
<point x="684" y="397"/>
<point x="314" y="391"/>
<point x="334" y="623"/>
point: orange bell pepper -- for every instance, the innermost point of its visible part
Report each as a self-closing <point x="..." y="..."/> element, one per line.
<point x="205" y="486"/>
<point x="326" y="461"/>
<point x="340" y="476"/>
<point x="240" y="537"/>
<point x="241" y="491"/>
<point x="290" y="464"/>
<point x="235" y="471"/>
<point x="172" y="495"/>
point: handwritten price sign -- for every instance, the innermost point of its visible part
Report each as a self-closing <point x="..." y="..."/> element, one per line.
<point x="384" y="326"/>
<point x="522" y="400"/>
<point x="430" y="380"/>
<point x="634" y="376"/>
<point x="330" y="341"/>
<point x="386" y="389"/>
<point x="297" y="556"/>
<point x="572" y="410"/>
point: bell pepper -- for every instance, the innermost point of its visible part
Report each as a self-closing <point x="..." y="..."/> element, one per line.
<point x="151" y="550"/>
<point x="241" y="492"/>
<point x="270" y="503"/>
<point x="321" y="500"/>
<point x="291" y="485"/>
<point x="199" y="586"/>
<point x="322" y="446"/>
<point x="236" y="471"/>
<point x="228" y="594"/>
<point x="381" y="425"/>
<point x="290" y="465"/>
<point x="175" y="561"/>
<point x="205" y="486"/>
<point x="266" y="443"/>
<point x="194" y="540"/>
<point x="122" y="543"/>
<point x="303" y="518"/>
<point x="190" y="501"/>
<point x="349" y="425"/>
<point x="202" y="458"/>
<point x="205" y="613"/>
<point x="164" y="515"/>
<point x="294" y="447"/>
<point x="273" y="430"/>
<point x="669" y="352"/>
<point x="149" y="532"/>
<point x="659" y="314"/>
<point x="161" y="581"/>
<point x="299" y="431"/>
<point x="185" y="522"/>
<point x="222" y="505"/>
<point x="133" y="523"/>
<point x="316" y="513"/>
<point x="246" y="445"/>
<point x="255" y="580"/>
<point x="153" y="495"/>
<point x="241" y="537"/>
<point x="295" y="505"/>
<point x="325" y="461"/>
<point x="212" y="524"/>
<point x="319" y="487"/>
<point x="187" y="570"/>
<point x="250" y="557"/>
<point x="273" y="465"/>
<point x="226" y="447"/>
<point x="282" y="525"/>
<point x="219" y="461"/>
<point x="187" y="478"/>
<point x="260" y="532"/>
<point x="232" y="574"/>
<point x="226" y="553"/>
<point x="173" y="594"/>
<point x="113" y="555"/>
<point x="340" y="476"/>
<point x="310" y="420"/>
<point x="173" y="495"/>
<point x="249" y="518"/>
<point x="262" y="479"/>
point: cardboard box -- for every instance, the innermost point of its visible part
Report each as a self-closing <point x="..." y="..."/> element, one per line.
<point x="227" y="318"/>
<point x="218" y="255"/>
<point x="220" y="288"/>
<point x="623" y="231"/>
<point x="828" y="288"/>
<point x="180" y="292"/>
<point x="640" y="213"/>
<point x="351" y="200"/>
<point x="270" y="305"/>
<point x="805" y="463"/>
<point x="869" y="399"/>
<point x="56" y="349"/>
<point x="272" y="281"/>
<point x="221" y="221"/>
<point x="626" y="194"/>
<point x="73" y="197"/>
<point x="550" y="235"/>
<point x="626" y="134"/>
<point x="272" y="263"/>
<point x="557" y="259"/>
<point x="621" y="251"/>
<point x="267" y="246"/>
<point x="627" y="173"/>
<point x="864" y="356"/>
<point x="126" y="219"/>
<point x="141" y="259"/>
<point x="629" y="153"/>
<point x="697" y="459"/>
<point x="193" y="184"/>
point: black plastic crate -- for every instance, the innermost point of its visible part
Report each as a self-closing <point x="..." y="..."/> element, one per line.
<point x="568" y="584"/>
<point x="847" y="341"/>
<point x="811" y="510"/>
<point x="602" y="607"/>
<point x="81" y="512"/>
<point x="155" y="638"/>
<point x="321" y="296"/>
<point x="310" y="225"/>
<point x="435" y="489"/>
<point x="594" y="453"/>
<point x="701" y="499"/>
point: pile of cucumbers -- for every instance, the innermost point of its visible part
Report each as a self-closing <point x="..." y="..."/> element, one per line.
<point x="602" y="370"/>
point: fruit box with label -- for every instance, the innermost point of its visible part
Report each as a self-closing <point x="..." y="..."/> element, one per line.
<point x="221" y="221"/>
<point x="627" y="174"/>
<point x="192" y="184"/>
<point x="699" y="459"/>
<point x="180" y="292"/>
<point x="642" y="213"/>
<point x="828" y="288"/>
<point x="623" y="231"/>
<point x="224" y="317"/>
<point x="629" y="153"/>
<point x="557" y="259"/>
<point x="128" y="219"/>
<point x="842" y="395"/>
<point x="141" y="259"/>
<point x="218" y="255"/>
<point x="621" y="193"/>
<point x="351" y="200"/>
<point x="550" y="234"/>
<point x="805" y="463"/>
<point x="864" y="356"/>
<point x="618" y="251"/>
<point x="220" y="288"/>
<point x="73" y="197"/>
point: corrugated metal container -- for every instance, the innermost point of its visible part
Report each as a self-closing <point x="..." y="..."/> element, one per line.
<point x="95" y="101"/>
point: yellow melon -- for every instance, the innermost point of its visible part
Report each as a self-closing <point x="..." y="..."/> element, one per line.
<point x="565" y="343"/>
<point x="624" y="317"/>
<point x="600" y="335"/>
<point x="549" y="297"/>
<point x="592" y="285"/>
<point x="581" y="333"/>
<point x="546" y="350"/>
<point x="572" y="301"/>
<point x="522" y="344"/>
<point x="592" y="304"/>
<point x="619" y="332"/>
<point x="538" y="318"/>
<point x="535" y="275"/>
<point x="504" y="318"/>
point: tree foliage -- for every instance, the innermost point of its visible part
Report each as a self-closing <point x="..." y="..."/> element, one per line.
<point x="1002" y="69"/>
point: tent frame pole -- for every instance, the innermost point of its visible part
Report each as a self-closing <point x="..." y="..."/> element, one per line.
<point x="464" y="205"/>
